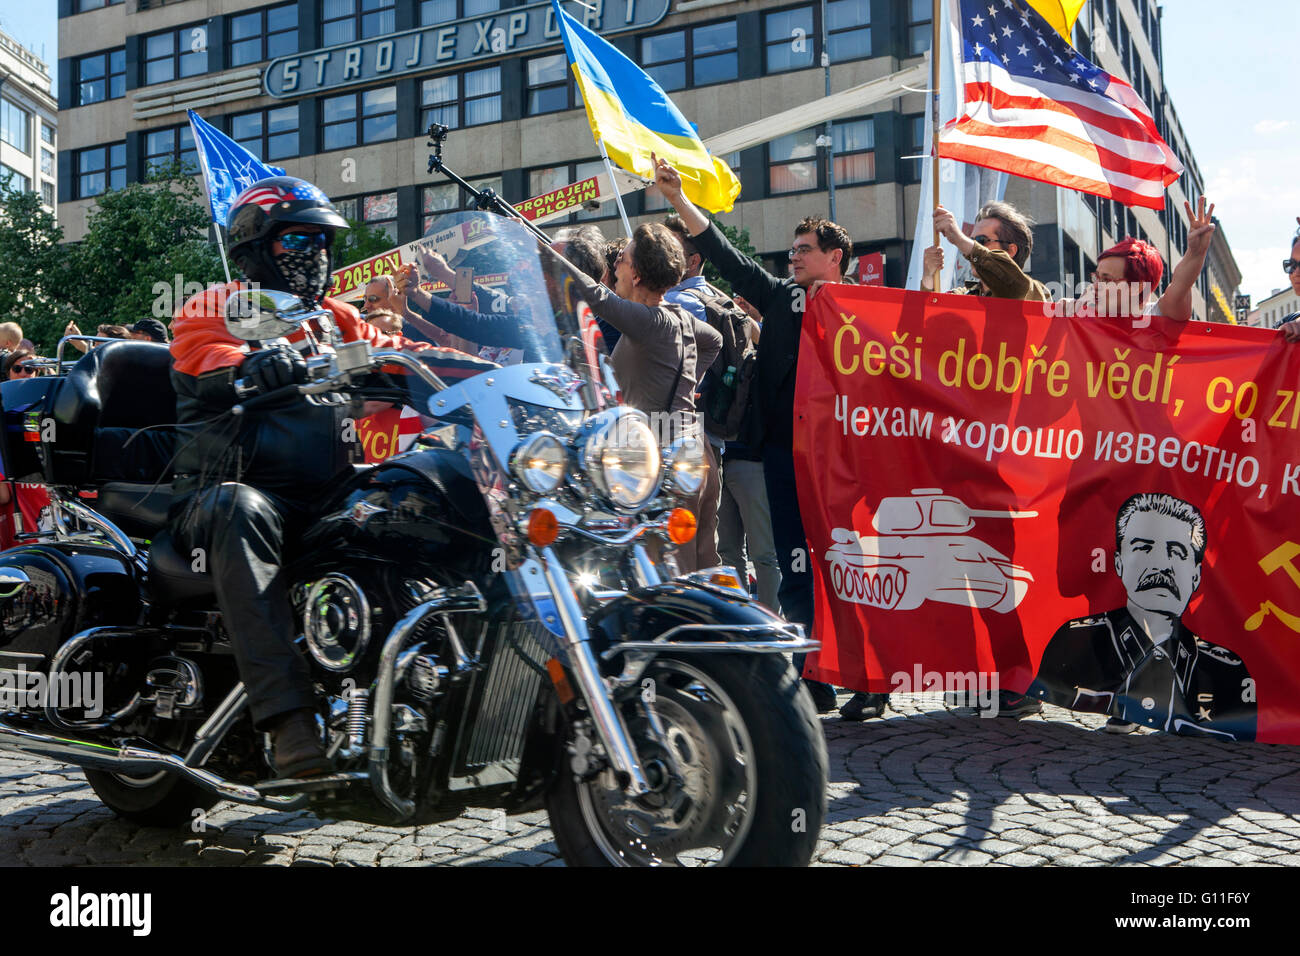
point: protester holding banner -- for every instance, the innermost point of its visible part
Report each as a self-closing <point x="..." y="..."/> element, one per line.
<point x="999" y="272"/>
<point x="821" y="252"/>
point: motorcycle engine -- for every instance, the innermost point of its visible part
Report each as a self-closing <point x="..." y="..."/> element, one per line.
<point x="336" y="623"/>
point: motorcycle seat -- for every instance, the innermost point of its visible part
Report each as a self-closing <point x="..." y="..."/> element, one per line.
<point x="172" y="578"/>
<point x="138" y="509"/>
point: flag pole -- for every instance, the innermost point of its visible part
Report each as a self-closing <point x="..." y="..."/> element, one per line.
<point x="207" y="188"/>
<point x="613" y="184"/>
<point x="935" y="47"/>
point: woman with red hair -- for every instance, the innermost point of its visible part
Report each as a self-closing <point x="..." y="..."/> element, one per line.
<point x="1129" y="273"/>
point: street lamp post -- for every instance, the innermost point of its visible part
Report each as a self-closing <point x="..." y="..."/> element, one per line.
<point x="827" y="139"/>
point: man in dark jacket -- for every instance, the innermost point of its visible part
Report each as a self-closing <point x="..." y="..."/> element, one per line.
<point x="245" y="486"/>
<point x="821" y="252"/>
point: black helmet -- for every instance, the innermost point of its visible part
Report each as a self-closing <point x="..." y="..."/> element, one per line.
<point x="263" y="210"/>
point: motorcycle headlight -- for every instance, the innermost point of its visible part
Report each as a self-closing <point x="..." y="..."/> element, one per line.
<point x="621" y="457"/>
<point x="685" y="466"/>
<point x="538" y="462"/>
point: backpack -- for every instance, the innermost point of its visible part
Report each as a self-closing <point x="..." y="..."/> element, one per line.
<point x="725" y="403"/>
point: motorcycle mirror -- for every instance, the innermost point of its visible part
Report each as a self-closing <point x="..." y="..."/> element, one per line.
<point x="259" y="314"/>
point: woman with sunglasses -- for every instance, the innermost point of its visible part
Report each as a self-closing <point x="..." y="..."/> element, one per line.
<point x="1290" y="326"/>
<point x="18" y="365"/>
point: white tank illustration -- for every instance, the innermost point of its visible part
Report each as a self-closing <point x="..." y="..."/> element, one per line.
<point x="923" y="553"/>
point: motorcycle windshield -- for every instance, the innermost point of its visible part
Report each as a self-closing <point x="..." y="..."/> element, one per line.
<point x="499" y="295"/>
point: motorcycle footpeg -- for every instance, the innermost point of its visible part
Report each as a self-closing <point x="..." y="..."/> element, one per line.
<point x="290" y="785"/>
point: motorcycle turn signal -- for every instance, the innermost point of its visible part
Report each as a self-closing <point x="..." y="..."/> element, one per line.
<point x="543" y="528"/>
<point x="681" y="525"/>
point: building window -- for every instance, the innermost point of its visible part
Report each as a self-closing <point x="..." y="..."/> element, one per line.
<point x="47" y="194"/>
<point x="374" y="209"/>
<point x="848" y="29"/>
<point x="855" y="151"/>
<point x="915" y="131"/>
<point x="47" y="133"/>
<point x="439" y="200"/>
<point x="462" y="99"/>
<point x="550" y="85"/>
<point x="695" y="57"/>
<point x="919" y="31"/>
<point x="47" y="162"/>
<point x="263" y="34"/>
<point x="440" y="11"/>
<point x="175" y="144"/>
<point x="176" y="54"/>
<point x="14" y="179"/>
<point x="14" y="123"/>
<point x="267" y="134"/>
<point x="788" y="38"/>
<point x="101" y="76"/>
<point x="792" y="163"/>
<point x="550" y="178"/>
<point x="357" y="118"/>
<point x="344" y="21"/>
<point x="84" y="5"/>
<point x="100" y="169"/>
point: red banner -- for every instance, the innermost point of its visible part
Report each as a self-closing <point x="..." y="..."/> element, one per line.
<point x="1100" y="513"/>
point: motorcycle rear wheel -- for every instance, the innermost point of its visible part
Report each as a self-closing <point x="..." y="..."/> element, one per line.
<point x="155" y="800"/>
<point x="749" y="759"/>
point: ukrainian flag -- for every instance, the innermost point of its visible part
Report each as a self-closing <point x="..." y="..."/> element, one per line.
<point x="633" y="117"/>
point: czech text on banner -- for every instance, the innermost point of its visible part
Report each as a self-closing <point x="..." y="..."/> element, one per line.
<point x="1035" y="107"/>
<point x="633" y="117"/>
<point x="1094" y="512"/>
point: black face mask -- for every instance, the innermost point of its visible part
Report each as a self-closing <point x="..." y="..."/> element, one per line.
<point x="305" y="274"/>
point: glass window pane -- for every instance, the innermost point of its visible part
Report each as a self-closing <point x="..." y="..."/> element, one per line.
<point x="793" y="177"/>
<point x="475" y="7"/>
<point x="347" y="208"/>
<point x="339" y="136"/>
<point x="282" y="18"/>
<point x="845" y="14"/>
<point x="547" y="69"/>
<point x="800" y="145"/>
<point x="159" y="71"/>
<point x="159" y="142"/>
<point x="486" y="110"/>
<point x="117" y="61"/>
<point x="442" y="115"/>
<point x="343" y="31"/>
<point x="549" y="100"/>
<point x="664" y="47"/>
<point x="920" y="10"/>
<point x="857" y="135"/>
<point x="367" y="5"/>
<point x="192" y="64"/>
<point x="117" y="155"/>
<point x="378" y="24"/>
<point x="117" y="87"/>
<point x="91" y="92"/>
<point x="788" y="24"/>
<point x="245" y="51"/>
<point x="437" y="198"/>
<point x="163" y="44"/>
<point x="382" y="206"/>
<point x="852" y="45"/>
<point x="378" y="128"/>
<point x="670" y="76"/>
<point x="89" y="160"/>
<point x="547" y="180"/>
<point x="92" y="68"/>
<point x="379" y="101"/>
<point x="339" y="108"/>
<point x="856" y="168"/>
<point x="716" y="69"/>
<point x="715" y="38"/>
<point x="282" y="146"/>
<point x="436" y="11"/>
<point x="247" y="126"/>
<point x="442" y="89"/>
<point x="92" y="184"/>
<point x="337" y="8"/>
<point x="919" y="38"/>
<point x="281" y="44"/>
<point x="481" y="82"/>
<point x="245" y="26"/>
<point x="282" y="120"/>
<point x="784" y="56"/>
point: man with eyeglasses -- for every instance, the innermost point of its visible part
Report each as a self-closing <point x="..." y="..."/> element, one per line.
<point x="820" y="253"/>
<point x="1289" y="326"/>
<point x="997" y="250"/>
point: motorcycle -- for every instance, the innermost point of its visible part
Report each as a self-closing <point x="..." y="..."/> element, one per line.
<point x="491" y="618"/>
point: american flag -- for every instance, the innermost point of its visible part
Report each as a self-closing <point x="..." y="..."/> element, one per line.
<point x="1037" y="108"/>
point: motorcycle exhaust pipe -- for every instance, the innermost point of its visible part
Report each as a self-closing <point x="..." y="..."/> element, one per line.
<point x="132" y="759"/>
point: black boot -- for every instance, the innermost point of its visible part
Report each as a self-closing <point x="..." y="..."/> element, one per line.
<point x="823" y="695"/>
<point x="296" y="744"/>
<point x="863" y="706"/>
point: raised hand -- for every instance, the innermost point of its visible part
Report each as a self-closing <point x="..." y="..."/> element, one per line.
<point x="667" y="179"/>
<point x="945" y="223"/>
<point x="436" y="268"/>
<point x="1200" y="227"/>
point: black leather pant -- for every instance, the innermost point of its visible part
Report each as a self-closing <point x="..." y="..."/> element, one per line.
<point x="243" y="532"/>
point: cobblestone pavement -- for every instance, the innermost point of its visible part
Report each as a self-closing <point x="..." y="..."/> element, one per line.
<point x="929" y="784"/>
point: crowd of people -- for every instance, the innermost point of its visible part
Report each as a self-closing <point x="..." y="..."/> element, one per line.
<point x="674" y="338"/>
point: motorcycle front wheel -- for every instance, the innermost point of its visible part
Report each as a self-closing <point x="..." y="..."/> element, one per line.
<point x="736" y="759"/>
<point x="155" y="800"/>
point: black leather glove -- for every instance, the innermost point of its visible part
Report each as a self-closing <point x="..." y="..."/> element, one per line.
<point x="274" y="367"/>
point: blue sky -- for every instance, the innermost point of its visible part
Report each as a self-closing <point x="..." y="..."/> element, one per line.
<point x="1230" y="69"/>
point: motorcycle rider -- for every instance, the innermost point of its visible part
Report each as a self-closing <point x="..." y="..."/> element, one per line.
<point x="244" y="486"/>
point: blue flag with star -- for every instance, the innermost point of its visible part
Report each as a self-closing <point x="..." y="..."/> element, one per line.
<point x="228" y="168"/>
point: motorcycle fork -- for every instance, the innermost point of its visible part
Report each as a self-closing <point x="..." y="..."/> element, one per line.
<point x="608" y="722"/>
